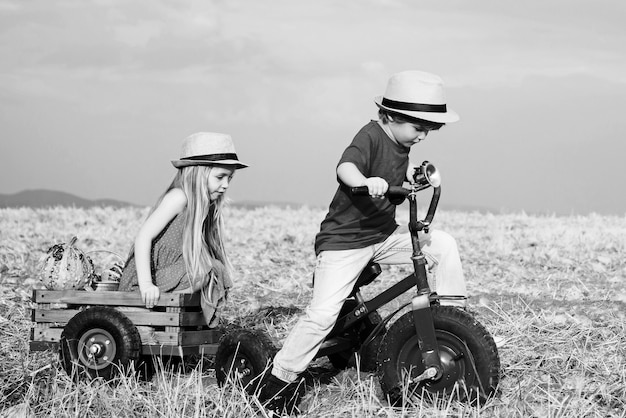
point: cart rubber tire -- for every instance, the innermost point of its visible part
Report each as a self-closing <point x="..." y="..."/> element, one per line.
<point x="468" y="354"/>
<point x="368" y="355"/>
<point x="243" y="356"/>
<point x="99" y="342"/>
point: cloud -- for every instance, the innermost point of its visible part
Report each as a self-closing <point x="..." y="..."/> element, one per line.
<point x="485" y="44"/>
<point x="301" y="75"/>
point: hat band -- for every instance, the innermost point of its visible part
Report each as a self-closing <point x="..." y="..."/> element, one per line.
<point x="213" y="157"/>
<point x="415" y="107"/>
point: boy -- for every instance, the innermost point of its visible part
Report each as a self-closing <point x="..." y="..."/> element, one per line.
<point x="358" y="229"/>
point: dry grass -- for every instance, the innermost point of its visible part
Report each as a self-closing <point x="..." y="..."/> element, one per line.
<point x="553" y="287"/>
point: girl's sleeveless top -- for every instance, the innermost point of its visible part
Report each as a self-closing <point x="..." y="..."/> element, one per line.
<point x="166" y="261"/>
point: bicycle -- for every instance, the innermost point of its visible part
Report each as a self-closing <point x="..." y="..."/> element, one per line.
<point x="431" y="349"/>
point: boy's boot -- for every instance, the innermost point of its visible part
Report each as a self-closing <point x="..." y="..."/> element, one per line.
<point x="281" y="397"/>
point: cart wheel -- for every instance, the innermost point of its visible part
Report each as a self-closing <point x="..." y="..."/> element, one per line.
<point x="99" y="342"/>
<point x="243" y="356"/>
<point x="359" y="332"/>
<point x="467" y="351"/>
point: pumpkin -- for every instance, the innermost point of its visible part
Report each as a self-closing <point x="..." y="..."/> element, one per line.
<point x="66" y="267"/>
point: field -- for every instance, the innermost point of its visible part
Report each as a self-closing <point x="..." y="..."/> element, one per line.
<point x="552" y="287"/>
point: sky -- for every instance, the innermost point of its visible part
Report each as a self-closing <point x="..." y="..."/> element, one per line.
<point x="96" y="96"/>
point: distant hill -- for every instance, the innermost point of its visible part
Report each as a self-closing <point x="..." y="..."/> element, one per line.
<point x="48" y="198"/>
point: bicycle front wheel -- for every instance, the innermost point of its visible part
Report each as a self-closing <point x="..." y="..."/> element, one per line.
<point x="467" y="352"/>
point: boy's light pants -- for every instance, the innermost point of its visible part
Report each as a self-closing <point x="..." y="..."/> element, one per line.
<point x="335" y="275"/>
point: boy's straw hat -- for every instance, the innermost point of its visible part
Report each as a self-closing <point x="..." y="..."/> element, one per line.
<point x="417" y="94"/>
<point x="208" y="148"/>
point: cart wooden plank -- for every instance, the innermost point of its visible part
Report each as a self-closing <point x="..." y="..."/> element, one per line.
<point x="179" y="351"/>
<point x="148" y="318"/>
<point x="48" y="334"/>
<point x="200" y="337"/>
<point x="168" y="350"/>
<point x="43" y="346"/>
<point x="183" y="338"/>
<point x="186" y="338"/>
<point x="115" y="298"/>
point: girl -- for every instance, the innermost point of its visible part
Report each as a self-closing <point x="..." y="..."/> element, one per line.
<point x="179" y="247"/>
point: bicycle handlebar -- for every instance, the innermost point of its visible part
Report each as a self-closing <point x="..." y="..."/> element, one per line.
<point x="393" y="191"/>
<point x="432" y="208"/>
<point x="400" y="192"/>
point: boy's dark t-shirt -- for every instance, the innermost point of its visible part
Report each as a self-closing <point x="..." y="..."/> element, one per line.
<point x="359" y="221"/>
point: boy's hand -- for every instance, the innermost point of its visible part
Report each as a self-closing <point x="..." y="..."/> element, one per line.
<point x="410" y="172"/>
<point x="376" y="186"/>
<point x="150" y="295"/>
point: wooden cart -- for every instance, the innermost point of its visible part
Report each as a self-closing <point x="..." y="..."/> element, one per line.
<point x="96" y="333"/>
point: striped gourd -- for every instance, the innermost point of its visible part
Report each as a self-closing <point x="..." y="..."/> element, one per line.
<point x="66" y="267"/>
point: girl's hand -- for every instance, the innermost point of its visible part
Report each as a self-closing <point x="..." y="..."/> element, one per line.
<point x="377" y="186"/>
<point x="150" y="295"/>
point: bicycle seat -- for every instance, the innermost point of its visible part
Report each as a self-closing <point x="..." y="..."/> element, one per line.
<point x="367" y="276"/>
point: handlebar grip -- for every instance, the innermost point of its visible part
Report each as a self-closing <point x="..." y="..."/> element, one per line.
<point x="360" y="191"/>
<point x="393" y="191"/>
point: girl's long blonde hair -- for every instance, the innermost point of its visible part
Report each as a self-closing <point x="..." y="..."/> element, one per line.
<point x="203" y="246"/>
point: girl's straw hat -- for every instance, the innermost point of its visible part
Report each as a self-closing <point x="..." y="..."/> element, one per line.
<point x="208" y="148"/>
<point x="417" y="94"/>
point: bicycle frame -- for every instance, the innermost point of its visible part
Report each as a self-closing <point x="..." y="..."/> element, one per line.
<point x="420" y="304"/>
